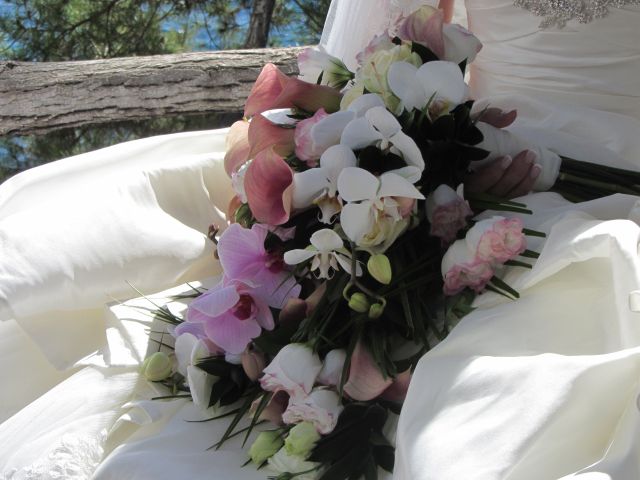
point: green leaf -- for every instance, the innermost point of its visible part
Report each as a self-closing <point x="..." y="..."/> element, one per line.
<point x="264" y="401"/>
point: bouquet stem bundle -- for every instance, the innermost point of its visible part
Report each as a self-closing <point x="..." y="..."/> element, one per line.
<point x="582" y="181"/>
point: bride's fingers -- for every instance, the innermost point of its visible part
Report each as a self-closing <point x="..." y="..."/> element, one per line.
<point x="486" y="177"/>
<point x="526" y="185"/>
<point x="517" y="172"/>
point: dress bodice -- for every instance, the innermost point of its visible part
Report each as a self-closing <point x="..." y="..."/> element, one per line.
<point x="593" y="64"/>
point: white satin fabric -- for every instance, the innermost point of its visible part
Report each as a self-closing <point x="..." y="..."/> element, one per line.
<point x="82" y="231"/>
<point x="548" y="386"/>
<point x="542" y="388"/>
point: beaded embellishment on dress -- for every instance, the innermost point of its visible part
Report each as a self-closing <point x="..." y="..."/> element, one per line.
<point x="559" y="12"/>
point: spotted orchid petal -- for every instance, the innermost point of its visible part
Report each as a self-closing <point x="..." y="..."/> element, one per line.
<point x="326" y="250"/>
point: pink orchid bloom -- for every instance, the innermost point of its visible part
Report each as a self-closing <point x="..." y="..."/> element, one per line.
<point x="365" y="381"/>
<point x="237" y="146"/>
<point x="264" y="134"/>
<point x="424" y="26"/>
<point x="243" y="257"/>
<point x="232" y="314"/>
<point x="268" y="186"/>
<point x="274" y="89"/>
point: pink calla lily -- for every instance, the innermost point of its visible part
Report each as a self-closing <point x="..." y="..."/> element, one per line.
<point x="268" y="188"/>
<point x="397" y="391"/>
<point x="365" y="381"/>
<point x="274" y="89"/>
<point x="263" y="134"/>
<point x="424" y="26"/>
<point x="238" y="147"/>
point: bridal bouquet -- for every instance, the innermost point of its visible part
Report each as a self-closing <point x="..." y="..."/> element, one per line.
<point x="349" y="223"/>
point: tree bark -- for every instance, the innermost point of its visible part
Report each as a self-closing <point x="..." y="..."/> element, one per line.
<point x="260" y="23"/>
<point x="42" y="97"/>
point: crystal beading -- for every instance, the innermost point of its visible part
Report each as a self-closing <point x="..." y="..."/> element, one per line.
<point x="559" y="12"/>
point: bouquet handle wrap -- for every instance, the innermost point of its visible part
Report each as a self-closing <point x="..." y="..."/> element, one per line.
<point x="500" y="142"/>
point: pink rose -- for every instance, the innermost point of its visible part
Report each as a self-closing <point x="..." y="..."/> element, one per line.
<point x="497" y="240"/>
<point x="293" y="370"/>
<point x="461" y="269"/>
<point x="447" y="212"/>
<point x="321" y="407"/>
<point x="273" y="89"/>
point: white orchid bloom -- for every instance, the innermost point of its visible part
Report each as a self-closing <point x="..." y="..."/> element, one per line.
<point x="315" y="63"/>
<point x="319" y="185"/>
<point x="364" y="103"/>
<point x="327" y="132"/>
<point x="442" y="81"/>
<point x="380" y="128"/>
<point x="328" y="252"/>
<point x="372" y="207"/>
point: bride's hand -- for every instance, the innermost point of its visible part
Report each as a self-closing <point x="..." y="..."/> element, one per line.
<point x="505" y="177"/>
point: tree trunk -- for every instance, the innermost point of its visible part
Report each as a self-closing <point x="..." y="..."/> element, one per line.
<point x="42" y="97"/>
<point x="260" y="23"/>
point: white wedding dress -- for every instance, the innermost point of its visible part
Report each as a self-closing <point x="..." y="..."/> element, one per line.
<point x="543" y="388"/>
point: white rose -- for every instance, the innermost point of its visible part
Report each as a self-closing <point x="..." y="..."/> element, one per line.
<point x="322" y="408"/>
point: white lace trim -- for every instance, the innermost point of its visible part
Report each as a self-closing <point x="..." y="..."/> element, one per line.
<point x="74" y="458"/>
<point x="559" y="12"/>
